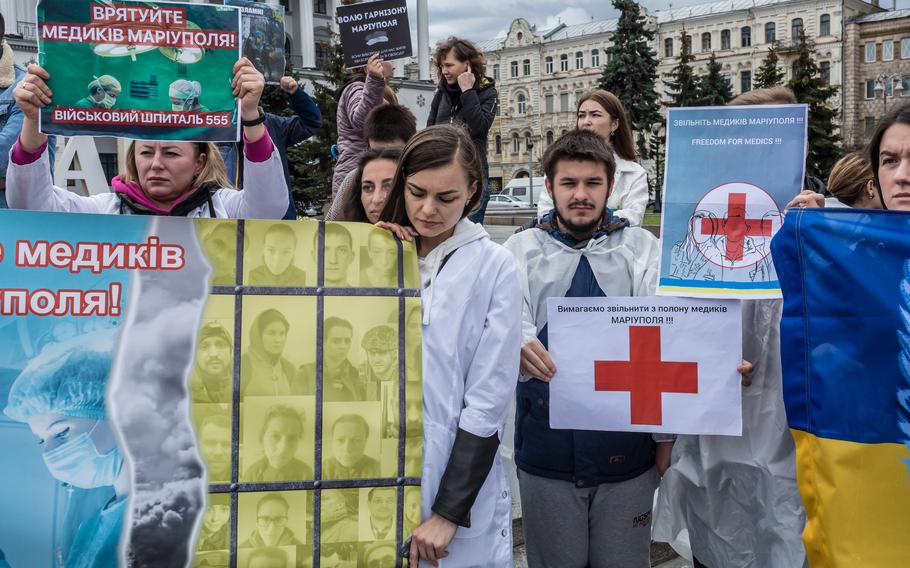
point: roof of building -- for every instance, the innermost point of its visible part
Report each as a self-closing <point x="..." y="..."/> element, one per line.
<point x="558" y="33"/>
<point x="882" y="16"/>
<point x="711" y="8"/>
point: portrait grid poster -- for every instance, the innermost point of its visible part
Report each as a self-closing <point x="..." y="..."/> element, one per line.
<point x="145" y="70"/>
<point x="730" y="172"/>
<point x="207" y="392"/>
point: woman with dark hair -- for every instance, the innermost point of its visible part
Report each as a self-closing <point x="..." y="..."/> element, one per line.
<point x="361" y="92"/>
<point x="467" y="96"/>
<point x="602" y="112"/>
<point x="263" y="369"/>
<point x="889" y="154"/>
<point x="375" y="171"/>
<point x="471" y="298"/>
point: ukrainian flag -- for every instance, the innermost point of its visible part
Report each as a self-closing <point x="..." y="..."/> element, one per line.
<point x="845" y="348"/>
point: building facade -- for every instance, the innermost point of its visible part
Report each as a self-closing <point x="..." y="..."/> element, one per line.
<point x="877" y="72"/>
<point x="540" y="74"/>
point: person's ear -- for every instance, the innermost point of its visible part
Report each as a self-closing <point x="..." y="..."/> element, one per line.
<point x="200" y="163"/>
<point x="549" y="186"/>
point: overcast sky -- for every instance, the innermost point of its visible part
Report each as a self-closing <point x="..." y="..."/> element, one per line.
<point x="482" y="19"/>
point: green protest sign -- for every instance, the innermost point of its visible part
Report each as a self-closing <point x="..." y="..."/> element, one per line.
<point x="153" y="71"/>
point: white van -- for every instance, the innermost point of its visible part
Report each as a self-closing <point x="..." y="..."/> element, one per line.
<point x="523" y="190"/>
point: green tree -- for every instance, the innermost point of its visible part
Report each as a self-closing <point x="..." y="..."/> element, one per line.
<point x="713" y="88"/>
<point x="682" y="83"/>
<point x="631" y="70"/>
<point x="812" y="90"/>
<point x="770" y="74"/>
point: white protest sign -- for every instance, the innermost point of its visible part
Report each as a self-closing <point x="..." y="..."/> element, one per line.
<point x="646" y="364"/>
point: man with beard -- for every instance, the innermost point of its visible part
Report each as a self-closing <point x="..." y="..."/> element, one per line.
<point x="213" y="375"/>
<point x="576" y="484"/>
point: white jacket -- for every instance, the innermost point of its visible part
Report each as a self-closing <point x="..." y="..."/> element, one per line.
<point x="624" y="264"/>
<point x="266" y="197"/>
<point x="737" y="496"/>
<point x="472" y="346"/>
<point x="628" y="199"/>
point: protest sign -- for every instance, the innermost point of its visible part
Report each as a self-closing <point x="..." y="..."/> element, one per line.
<point x="845" y="353"/>
<point x="374" y="27"/>
<point x="158" y="71"/>
<point x="262" y="33"/>
<point x="213" y="391"/>
<point x="730" y="172"/>
<point x="652" y="365"/>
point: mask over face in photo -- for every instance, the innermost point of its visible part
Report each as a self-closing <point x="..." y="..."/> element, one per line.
<point x="104" y="91"/>
<point x="78" y="463"/>
<point x="184" y="94"/>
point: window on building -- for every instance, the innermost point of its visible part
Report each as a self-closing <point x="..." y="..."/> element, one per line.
<point x="794" y="69"/>
<point x="498" y="144"/>
<point x="905" y="86"/>
<point x="869" y="124"/>
<point x="319" y="6"/>
<point x="728" y="78"/>
<point x="522" y="104"/>
<point x="889" y="88"/>
<point x="905" y="48"/>
<point x="579" y="60"/>
<point x="824" y="71"/>
<point x="527" y="141"/>
<point x="516" y="144"/>
<point x="513" y="69"/>
<point x="526" y="67"/>
<point x="796" y="27"/>
<point x="745" y="81"/>
<point x="549" y="137"/>
<point x="549" y="103"/>
<point x="725" y="39"/>
<point x="824" y="25"/>
<point x="496" y="71"/>
<point x="888" y="50"/>
<point x="578" y="95"/>
<point x="564" y="102"/>
<point x="595" y="58"/>
<point x="564" y="62"/>
<point x="108" y="164"/>
<point x="609" y="57"/>
<point x="688" y="46"/>
<point x="706" y="42"/>
<point x="770" y="32"/>
<point x="745" y="36"/>
<point x="668" y="47"/>
<point x="548" y="65"/>
<point x="870" y="88"/>
<point x="870" y="52"/>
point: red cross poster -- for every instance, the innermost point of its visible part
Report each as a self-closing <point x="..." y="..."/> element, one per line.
<point x="730" y="171"/>
<point x="662" y="365"/>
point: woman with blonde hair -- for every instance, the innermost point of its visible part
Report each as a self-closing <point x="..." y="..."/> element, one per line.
<point x="184" y="179"/>
<point x="852" y="183"/>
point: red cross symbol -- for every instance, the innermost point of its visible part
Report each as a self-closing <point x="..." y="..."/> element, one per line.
<point x="646" y="377"/>
<point x="736" y="227"/>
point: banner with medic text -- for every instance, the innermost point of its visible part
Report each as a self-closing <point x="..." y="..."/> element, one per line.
<point x="730" y="172"/>
<point x="210" y="392"/>
<point x="153" y="71"/>
<point x="663" y="365"/>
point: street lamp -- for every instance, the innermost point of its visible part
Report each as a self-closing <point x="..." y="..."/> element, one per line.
<point x="529" y="145"/>
<point x="883" y="80"/>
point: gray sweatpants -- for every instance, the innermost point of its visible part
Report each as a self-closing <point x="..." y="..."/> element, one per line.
<point x="608" y="526"/>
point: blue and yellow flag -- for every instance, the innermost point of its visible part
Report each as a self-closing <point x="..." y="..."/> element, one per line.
<point x="845" y="348"/>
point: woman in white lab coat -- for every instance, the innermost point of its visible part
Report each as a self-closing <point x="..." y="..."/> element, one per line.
<point x="471" y="343"/>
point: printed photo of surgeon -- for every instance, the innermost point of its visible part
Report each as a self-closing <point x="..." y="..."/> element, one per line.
<point x="60" y="396"/>
<point x="185" y="95"/>
<point x="102" y="93"/>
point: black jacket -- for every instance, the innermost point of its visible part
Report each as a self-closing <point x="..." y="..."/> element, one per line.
<point x="475" y="109"/>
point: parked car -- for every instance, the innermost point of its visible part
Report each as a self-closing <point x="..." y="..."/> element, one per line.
<point x="501" y="201"/>
<point x="522" y="189"/>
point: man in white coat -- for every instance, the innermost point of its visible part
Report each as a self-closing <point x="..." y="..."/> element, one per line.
<point x="586" y="496"/>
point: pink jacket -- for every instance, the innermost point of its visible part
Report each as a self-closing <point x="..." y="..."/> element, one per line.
<point x="356" y="102"/>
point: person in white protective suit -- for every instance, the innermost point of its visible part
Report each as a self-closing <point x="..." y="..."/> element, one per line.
<point x="737" y="496"/>
<point x="472" y="337"/>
